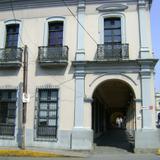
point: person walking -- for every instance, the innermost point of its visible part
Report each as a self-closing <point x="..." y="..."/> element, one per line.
<point x="159" y="119"/>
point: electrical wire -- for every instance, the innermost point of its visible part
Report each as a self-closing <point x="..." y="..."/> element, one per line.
<point x="14" y="16"/>
<point x="60" y="83"/>
<point x="79" y="22"/>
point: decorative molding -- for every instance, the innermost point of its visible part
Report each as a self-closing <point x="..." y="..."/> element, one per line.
<point x="112" y="7"/>
<point x="52" y="19"/>
<point x="106" y="74"/>
<point x="110" y="15"/>
<point x="47" y="86"/>
<point x="145" y="74"/>
<point x="3" y="33"/>
<point x="81" y="6"/>
<point x="8" y="87"/>
<point x="142" y="3"/>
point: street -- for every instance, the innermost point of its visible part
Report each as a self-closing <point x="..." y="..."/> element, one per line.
<point x="96" y="157"/>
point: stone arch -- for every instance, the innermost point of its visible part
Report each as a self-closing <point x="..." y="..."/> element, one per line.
<point x="100" y="79"/>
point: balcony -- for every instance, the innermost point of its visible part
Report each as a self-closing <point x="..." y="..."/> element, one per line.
<point x="112" y="51"/>
<point x="10" y="57"/>
<point x="53" y="56"/>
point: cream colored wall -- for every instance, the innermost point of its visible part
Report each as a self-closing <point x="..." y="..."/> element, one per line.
<point x="33" y="23"/>
<point x="93" y="27"/>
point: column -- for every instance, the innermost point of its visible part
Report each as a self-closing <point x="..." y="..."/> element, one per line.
<point x="81" y="137"/>
<point x="79" y="69"/>
<point x="80" y="31"/>
<point x="146" y="99"/>
<point x="147" y="138"/>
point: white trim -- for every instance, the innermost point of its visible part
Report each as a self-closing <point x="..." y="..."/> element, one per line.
<point x="8" y="22"/>
<point x="52" y="19"/>
<point x="109" y="15"/>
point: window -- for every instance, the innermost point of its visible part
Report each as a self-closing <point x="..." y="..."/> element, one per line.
<point x="7" y="112"/>
<point x="47" y="113"/>
<point x="112" y="30"/>
<point x="55" y="33"/>
<point x="12" y="33"/>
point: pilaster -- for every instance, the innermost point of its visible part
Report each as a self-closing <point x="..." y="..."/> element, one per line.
<point x="147" y="105"/>
<point x="79" y="69"/>
<point x="79" y="98"/>
<point x="144" y="44"/>
<point x="80" y="53"/>
<point x="81" y="137"/>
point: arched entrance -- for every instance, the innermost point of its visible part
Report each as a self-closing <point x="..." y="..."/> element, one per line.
<point x="113" y="114"/>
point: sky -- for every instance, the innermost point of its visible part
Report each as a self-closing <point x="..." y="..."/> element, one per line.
<point x="155" y="30"/>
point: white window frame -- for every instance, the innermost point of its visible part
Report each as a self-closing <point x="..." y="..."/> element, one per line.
<point x="112" y="15"/>
<point x="4" y="32"/>
<point x="53" y="19"/>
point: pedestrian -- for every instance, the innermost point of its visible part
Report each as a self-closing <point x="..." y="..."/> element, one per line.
<point x="159" y="119"/>
<point x="121" y="122"/>
<point x="118" y="122"/>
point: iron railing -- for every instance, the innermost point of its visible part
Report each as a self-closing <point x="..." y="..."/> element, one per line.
<point x="47" y="132"/>
<point x="53" y="54"/>
<point x="7" y="129"/>
<point x="10" y="55"/>
<point x="112" y="51"/>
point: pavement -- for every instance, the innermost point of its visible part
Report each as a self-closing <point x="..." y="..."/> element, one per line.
<point x="95" y="157"/>
<point x="108" y="147"/>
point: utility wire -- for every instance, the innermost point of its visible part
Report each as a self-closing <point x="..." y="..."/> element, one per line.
<point x="79" y="21"/>
<point x="14" y="16"/>
<point x="60" y="83"/>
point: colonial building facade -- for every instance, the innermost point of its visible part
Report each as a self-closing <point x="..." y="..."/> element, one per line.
<point x="89" y="62"/>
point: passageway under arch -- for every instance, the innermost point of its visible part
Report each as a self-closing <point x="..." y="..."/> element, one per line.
<point x="113" y="114"/>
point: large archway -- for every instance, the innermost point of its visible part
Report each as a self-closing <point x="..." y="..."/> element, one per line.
<point x="113" y="114"/>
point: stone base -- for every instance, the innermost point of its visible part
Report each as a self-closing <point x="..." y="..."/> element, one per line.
<point x="62" y="142"/>
<point x="82" y="139"/>
<point x="147" y="140"/>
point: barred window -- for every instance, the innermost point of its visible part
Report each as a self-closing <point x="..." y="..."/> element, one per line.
<point x="7" y="112"/>
<point x="47" y="113"/>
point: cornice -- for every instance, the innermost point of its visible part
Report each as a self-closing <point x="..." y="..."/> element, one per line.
<point x="112" y="7"/>
<point x="24" y="4"/>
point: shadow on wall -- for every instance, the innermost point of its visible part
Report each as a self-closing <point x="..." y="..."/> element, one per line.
<point x="53" y="70"/>
<point x="9" y="72"/>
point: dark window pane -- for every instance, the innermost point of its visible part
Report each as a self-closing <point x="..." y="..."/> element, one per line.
<point x="112" y="30"/>
<point x="117" y="32"/>
<point x="108" y="39"/>
<point x="12" y="32"/>
<point x="116" y="39"/>
<point x="55" y="37"/>
<point x="107" y="32"/>
<point x="7" y="112"/>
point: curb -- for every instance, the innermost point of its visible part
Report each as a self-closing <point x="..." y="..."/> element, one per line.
<point x="158" y="152"/>
<point x="27" y="153"/>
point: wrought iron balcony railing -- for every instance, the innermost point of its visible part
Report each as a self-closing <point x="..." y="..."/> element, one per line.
<point x="7" y="129"/>
<point x="50" y="55"/>
<point x="10" y="56"/>
<point x="113" y="51"/>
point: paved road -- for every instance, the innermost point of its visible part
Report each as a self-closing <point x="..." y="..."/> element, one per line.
<point x="102" y="157"/>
